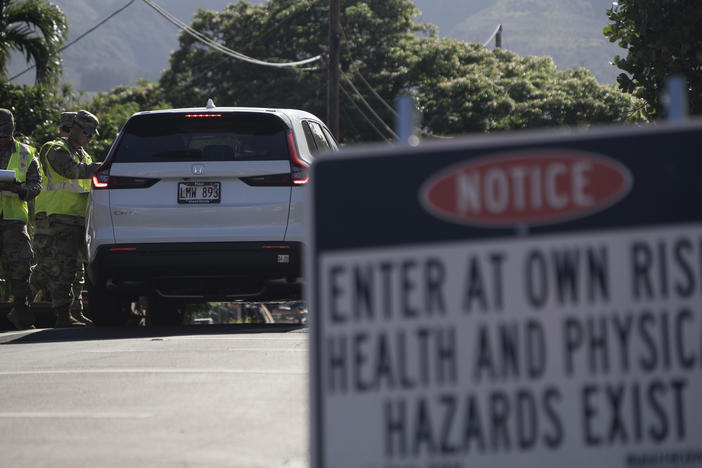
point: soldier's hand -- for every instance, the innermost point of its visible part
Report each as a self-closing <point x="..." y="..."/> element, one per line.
<point x="14" y="186"/>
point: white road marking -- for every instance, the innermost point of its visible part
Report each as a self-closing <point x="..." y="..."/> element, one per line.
<point x="265" y="350"/>
<point x="154" y="371"/>
<point x="73" y="415"/>
<point x="267" y="337"/>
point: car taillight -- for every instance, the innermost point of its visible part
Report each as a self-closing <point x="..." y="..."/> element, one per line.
<point x="299" y="168"/>
<point x="298" y="171"/>
<point x="101" y="177"/>
<point x="103" y="180"/>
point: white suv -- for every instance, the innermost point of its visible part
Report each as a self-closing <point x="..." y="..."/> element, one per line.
<point x="200" y="204"/>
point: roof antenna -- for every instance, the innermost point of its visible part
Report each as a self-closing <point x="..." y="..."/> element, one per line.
<point x="210" y="104"/>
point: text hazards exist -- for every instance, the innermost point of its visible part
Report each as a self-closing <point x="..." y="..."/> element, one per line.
<point x="587" y="345"/>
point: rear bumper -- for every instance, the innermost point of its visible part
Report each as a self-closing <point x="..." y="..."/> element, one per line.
<point x="253" y="271"/>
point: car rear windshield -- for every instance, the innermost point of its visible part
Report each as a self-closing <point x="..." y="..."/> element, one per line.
<point x="212" y="136"/>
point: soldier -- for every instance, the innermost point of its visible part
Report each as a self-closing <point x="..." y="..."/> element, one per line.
<point x="15" y="247"/>
<point x="41" y="242"/>
<point x="68" y="170"/>
<point x="40" y="279"/>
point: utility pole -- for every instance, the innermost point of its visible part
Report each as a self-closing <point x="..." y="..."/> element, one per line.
<point x="498" y="38"/>
<point x="333" y="72"/>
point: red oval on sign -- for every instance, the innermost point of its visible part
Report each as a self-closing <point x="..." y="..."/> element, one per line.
<point x="529" y="187"/>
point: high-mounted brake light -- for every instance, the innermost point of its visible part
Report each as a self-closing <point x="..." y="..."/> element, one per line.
<point x="202" y="116"/>
<point x="299" y="167"/>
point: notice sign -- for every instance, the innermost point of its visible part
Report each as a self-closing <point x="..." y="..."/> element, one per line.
<point x="535" y="302"/>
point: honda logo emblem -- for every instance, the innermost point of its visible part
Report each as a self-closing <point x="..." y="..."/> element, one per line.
<point x="198" y="169"/>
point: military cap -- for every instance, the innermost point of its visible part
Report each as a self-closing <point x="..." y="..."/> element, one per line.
<point x="7" y="123"/>
<point x="67" y="118"/>
<point x="87" y="121"/>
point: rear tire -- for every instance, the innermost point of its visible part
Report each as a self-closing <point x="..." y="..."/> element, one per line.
<point x="105" y="309"/>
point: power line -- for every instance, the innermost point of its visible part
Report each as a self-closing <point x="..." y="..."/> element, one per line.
<point x="256" y="39"/>
<point x="350" y="98"/>
<point x="422" y="131"/>
<point x="370" y="108"/>
<point x="214" y="45"/>
<point x="372" y="90"/>
<point x="79" y="37"/>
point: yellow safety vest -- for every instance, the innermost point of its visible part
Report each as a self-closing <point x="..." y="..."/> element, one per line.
<point x="64" y="196"/>
<point x="12" y="206"/>
<point x="41" y="200"/>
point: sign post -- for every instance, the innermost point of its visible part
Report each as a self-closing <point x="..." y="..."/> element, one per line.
<point x="532" y="300"/>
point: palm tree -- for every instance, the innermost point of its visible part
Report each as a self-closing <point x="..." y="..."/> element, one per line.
<point x="37" y="29"/>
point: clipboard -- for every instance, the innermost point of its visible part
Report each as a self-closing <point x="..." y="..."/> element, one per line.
<point x="7" y="176"/>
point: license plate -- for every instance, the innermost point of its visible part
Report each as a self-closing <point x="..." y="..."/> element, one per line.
<point x="199" y="192"/>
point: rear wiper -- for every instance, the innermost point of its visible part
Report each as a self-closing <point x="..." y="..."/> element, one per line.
<point x="188" y="153"/>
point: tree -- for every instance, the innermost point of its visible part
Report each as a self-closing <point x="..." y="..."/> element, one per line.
<point x="37" y="29"/>
<point x="463" y="87"/>
<point x="662" y="38"/>
<point x="459" y="87"/>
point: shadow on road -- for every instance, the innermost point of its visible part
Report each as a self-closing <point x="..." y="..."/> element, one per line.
<point x="90" y="334"/>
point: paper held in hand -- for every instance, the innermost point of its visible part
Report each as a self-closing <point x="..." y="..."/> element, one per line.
<point x="7" y="176"/>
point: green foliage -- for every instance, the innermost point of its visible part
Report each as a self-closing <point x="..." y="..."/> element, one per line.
<point x="662" y="38"/>
<point x="462" y="87"/>
<point x="37" y="29"/>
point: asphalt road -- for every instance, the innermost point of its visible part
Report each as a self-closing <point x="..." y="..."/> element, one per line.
<point x="209" y="396"/>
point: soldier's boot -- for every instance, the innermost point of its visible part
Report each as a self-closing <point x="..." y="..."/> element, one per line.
<point x="64" y="319"/>
<point x="77" y="314"/>
<point x="21" y="315"/>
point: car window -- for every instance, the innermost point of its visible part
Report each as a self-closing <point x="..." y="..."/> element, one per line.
<point x="316" y="139"/>
<point x="309" y="136"/>
<point x="330" y="138"/>
<point x="241" y="136"/>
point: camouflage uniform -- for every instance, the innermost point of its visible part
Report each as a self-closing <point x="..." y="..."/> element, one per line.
<point x="15" y="247"/>
<point x="68" y="230"/>
<point x="41" y="242"/>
